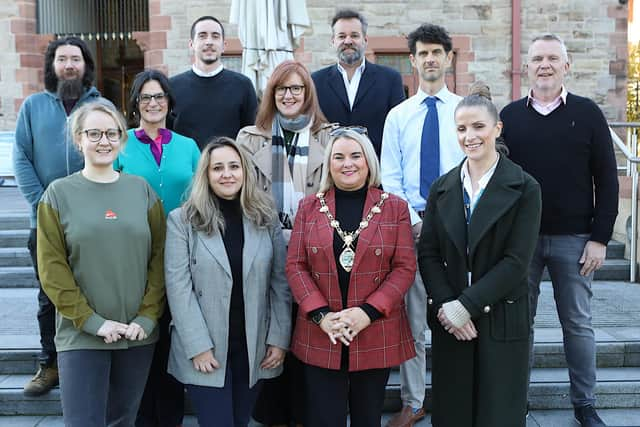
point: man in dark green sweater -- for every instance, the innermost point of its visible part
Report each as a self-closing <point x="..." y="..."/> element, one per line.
<point x="211" y="100"/>
<point x="563" y="141"/>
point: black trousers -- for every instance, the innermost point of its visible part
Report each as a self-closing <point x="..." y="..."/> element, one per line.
<point x="46" y="310"/>
<point x="332" y="395"/>
<point x="162" y="403"/>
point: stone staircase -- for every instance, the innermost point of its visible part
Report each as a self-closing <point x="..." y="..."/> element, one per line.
<point x="616" y="320"/>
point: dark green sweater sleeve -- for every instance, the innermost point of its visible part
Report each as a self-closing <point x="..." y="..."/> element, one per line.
<point x="56" y="276"/>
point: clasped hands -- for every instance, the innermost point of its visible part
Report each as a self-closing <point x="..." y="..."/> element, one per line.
<point x="466" y="332"/>
<point x="113" y="331"/>
<point x="206" y="363"/>
<point x="344" y="325"/>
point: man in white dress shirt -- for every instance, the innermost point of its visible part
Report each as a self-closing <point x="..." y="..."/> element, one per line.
<point x="414" y="142"/>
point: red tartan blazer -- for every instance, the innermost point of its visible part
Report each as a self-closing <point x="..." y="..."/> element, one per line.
<point x="384" y="269"/>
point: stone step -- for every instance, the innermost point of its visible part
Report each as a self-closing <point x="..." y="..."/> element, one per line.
<point x="17" y="277"/>
<point x="615" y="250"/>
<point x="549" y="389"/>
<point x="613" y="269"/>
<point x="13" y="238"/>
<point x="14" y="221"/>
<point x="21" y="357"/>
<point x="15" y="257"/>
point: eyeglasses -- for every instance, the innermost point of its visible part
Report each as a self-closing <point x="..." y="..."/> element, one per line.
<point x="294" y="89"/>
<point x="95" y="135"/>
<point x="344" y="129"/>
<point x="146" y="98"/>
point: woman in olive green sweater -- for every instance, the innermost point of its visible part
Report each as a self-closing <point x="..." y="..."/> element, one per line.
<point x="100" y="256"/>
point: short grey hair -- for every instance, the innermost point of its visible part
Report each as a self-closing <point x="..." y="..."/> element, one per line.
<point x="550" y="37"/>
<point x="374" y="180"/>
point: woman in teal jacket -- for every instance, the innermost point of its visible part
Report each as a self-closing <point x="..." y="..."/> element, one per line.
<point x="167" y="161"/>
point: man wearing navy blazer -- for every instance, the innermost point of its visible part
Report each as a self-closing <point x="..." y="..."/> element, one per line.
<point x="356" y="92"/>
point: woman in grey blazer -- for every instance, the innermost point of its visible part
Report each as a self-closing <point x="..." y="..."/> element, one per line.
<point x="228" y="295"/>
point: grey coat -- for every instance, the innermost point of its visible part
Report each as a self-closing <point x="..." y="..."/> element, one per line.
<point x="199" y="282"/>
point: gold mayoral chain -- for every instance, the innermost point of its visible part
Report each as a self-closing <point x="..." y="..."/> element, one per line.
<point x="348" y="255"/>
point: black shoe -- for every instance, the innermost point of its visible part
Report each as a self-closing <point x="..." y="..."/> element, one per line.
<point x="587" y="416"/>
<point x="528" y="408"/>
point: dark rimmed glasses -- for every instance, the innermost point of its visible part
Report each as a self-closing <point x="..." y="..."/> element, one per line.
<point x="146" y="98"/>
<point x="294" y="89"/>
<point x="95" y="135"/>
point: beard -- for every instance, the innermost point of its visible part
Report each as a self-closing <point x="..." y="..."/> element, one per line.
<point x="351" y="58"/>
<point x="71" y="89"/>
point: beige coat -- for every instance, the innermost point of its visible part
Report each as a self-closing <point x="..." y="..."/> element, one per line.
<point x="258" y="142"/>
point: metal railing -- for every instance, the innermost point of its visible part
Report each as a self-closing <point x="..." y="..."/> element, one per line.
<point x="630" y="150"/>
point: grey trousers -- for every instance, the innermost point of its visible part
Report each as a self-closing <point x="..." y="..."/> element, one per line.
<point x="101" y="388"/>
<point x="572" y="294"/>
<point x="413" y="371"/>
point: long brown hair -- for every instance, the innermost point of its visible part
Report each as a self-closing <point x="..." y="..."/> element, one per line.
<point x="268" y="109"/>
<point x="202" y="209"/>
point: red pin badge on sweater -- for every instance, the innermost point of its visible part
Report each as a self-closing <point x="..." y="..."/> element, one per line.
<point x="109" y="214"/>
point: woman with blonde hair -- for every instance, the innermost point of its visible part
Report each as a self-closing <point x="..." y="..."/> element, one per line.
<point x="224" y="267"/>
<point x="351" y="261"/>
<point x="100" y="253"/>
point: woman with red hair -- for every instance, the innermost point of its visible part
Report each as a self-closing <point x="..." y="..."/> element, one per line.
<point x="287" y="144"/>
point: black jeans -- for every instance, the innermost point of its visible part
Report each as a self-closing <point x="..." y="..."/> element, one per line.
<point x="46" y="310"/>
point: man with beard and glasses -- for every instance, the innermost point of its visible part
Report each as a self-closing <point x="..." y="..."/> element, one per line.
<point x="419" y="145"/>
<point x="356" y="91"/>
<point x="210" y="99"/>
<point x="43" y="152"/>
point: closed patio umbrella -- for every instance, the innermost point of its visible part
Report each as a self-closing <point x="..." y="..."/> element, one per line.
<point x="269" y="31"/>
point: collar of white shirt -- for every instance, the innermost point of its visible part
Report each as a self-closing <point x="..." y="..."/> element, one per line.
<point x="482" y="182"/>
<point x="352" y="85"/>
<point x="443" y="95"/>
<point x="201" y="73"/>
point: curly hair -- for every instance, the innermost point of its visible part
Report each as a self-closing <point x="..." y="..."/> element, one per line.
<point x="429" y="33"/>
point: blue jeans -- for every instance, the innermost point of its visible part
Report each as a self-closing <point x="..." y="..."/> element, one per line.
<point x="572" y="293"/>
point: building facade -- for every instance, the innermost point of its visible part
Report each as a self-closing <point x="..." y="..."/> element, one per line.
<point x="490" y="43"/>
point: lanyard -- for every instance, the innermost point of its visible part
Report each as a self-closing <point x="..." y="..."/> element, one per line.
<point x="468" y="206"/>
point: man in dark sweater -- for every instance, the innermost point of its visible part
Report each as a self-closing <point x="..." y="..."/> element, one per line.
<point x="563" y="141"/>
<point x="210" y="100"/>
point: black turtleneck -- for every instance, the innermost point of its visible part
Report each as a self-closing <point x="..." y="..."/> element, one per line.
<point x="233" y="239"/>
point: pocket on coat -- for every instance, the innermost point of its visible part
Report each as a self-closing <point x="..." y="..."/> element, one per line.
<point x="510" y="319"/>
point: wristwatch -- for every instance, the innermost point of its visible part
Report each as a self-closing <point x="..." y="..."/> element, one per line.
<point x="317" y="318"/>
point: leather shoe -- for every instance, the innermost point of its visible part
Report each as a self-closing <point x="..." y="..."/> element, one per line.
<point x="588" y="417"/>
<point x="406" y="417"/>
<point x="44" y="380"/>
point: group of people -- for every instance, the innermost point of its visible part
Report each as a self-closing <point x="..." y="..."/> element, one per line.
<point x="305" y="244"/>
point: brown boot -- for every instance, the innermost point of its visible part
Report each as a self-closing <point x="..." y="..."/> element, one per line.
<point x="406" y="417"/>
<point x="44" y="380"/>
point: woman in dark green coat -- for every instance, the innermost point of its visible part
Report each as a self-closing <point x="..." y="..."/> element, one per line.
<point x="478" y="237"/>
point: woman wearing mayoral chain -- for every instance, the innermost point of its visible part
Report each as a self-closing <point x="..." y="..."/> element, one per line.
<point x="350" y="262"/>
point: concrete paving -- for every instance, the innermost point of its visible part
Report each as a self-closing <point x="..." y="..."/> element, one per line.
<point x="556" y="418"/>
